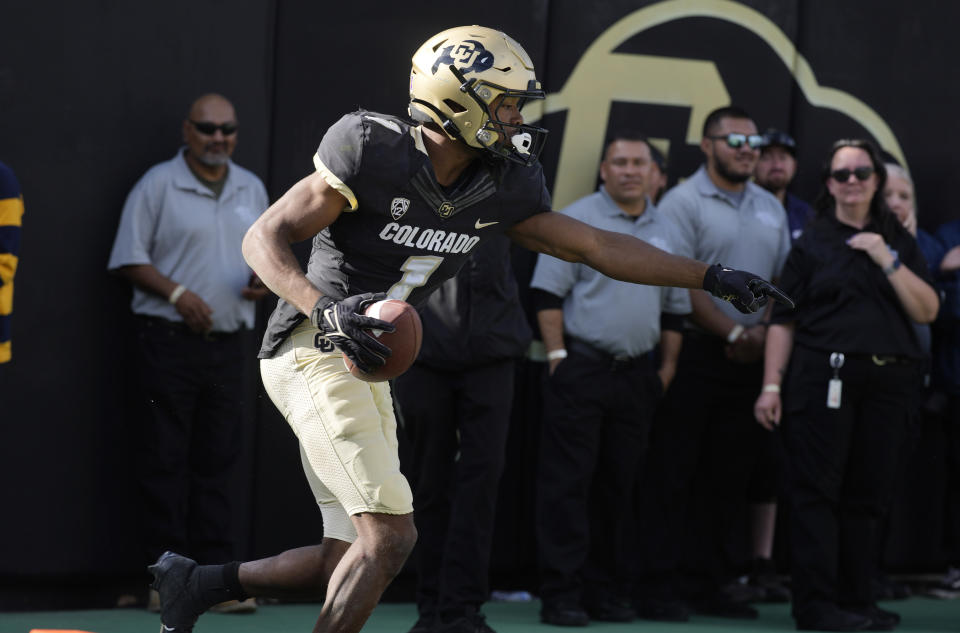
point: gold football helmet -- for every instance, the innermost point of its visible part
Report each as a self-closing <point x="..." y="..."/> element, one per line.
<point x="458" y="74"/>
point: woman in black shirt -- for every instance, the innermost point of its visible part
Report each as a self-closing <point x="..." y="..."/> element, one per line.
<point x="859" y="281"/>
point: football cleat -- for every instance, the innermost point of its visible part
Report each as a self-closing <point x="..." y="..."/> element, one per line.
<point x="174" y="578"/>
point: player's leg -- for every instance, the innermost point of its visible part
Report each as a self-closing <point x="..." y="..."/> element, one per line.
<point x="383" y="544"/>
<point x="347" y="431"/>
<point x="304" y="572"/>
<point x="187" y="590"/>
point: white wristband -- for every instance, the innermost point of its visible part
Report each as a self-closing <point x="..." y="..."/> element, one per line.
<point x="734" y="333"/>
<point x="177" y="293"/>
<point x="771" y="388"/>
<point x="557" y="354"/>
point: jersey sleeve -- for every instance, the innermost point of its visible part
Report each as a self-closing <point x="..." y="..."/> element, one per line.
<point x="339" y="156"/>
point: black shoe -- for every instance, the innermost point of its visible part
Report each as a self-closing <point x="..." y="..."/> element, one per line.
<point x="175" y="580"/>
<point x="764" y="577"/>
<point x="661" y="610"/>
<point x="472" y="623"/>
<point x="610" y="610"/>
<point x="882" y="619"/>
<point x="563" y="614"/>
<point x="886" y="588"/>
<point x="722" y="607"/>
<point x="425" y="624"/>
<point x="832" y="618"/>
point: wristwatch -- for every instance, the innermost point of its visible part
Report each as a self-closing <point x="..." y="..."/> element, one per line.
<point x="894" y="265"/>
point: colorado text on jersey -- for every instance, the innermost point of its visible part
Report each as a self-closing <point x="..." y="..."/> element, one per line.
<point x="430" y="239"/>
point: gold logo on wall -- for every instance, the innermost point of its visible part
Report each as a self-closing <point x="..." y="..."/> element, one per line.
<point x="600" y="78"/>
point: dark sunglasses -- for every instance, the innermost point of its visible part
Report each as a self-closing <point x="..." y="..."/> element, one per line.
<point x="209" y="129"/>
<point x="843" y="175"/>
<point x="736" y="141"/>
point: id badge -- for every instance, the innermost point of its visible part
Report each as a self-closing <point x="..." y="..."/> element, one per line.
<point x="833" y="393"/>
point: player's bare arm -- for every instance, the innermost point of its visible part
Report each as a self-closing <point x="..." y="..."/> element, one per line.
<point x="307" y="208"/>
<point x="626" y="258"/>
<point x="616" y="255"/>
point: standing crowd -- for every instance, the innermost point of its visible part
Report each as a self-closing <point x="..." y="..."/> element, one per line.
<point x="685" y="403"/>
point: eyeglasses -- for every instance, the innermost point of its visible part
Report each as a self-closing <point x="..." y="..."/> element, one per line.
<point x="209" y="129"/>
<point x="843" y="175"/>
<point x="736" y="141"/>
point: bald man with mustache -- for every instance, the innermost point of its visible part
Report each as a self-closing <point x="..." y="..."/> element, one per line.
<point x="178" y="244"/>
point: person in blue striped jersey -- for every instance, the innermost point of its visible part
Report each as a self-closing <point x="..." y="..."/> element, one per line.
<point x="11" y="212"/>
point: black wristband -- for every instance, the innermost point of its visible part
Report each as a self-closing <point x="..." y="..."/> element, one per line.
<point x="231" y="580"/>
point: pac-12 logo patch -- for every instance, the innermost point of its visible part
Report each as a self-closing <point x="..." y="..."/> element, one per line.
<point x="398" y="207"/>
<point x="468" y="56"/>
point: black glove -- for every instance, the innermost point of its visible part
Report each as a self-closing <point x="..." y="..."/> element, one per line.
<point x="343" y="324"/>
<point x="747" y="292"/>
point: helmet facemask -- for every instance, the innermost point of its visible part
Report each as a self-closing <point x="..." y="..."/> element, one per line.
<point x="519" y="142"/>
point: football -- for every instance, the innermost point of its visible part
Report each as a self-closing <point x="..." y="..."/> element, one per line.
<point x="404" y="342"/>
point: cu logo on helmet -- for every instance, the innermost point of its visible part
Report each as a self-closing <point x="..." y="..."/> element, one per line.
<point x="469" y="56"/>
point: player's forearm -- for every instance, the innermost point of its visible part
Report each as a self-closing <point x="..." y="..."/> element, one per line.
<point x="269" y="254"/>
<point x="626" y="258"/>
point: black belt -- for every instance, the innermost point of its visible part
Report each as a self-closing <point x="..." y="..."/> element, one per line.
<point x="613" y="362"/>
<point x="181" y="328"/>
<point x="884" y="359"/>
<point x="877" y="359"/>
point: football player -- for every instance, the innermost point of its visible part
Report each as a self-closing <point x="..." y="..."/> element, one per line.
<point x="394" y="208"/>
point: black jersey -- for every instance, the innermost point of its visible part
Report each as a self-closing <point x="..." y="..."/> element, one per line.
<point x="403" y="233"/>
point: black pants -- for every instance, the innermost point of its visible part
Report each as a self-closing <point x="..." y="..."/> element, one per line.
<point x="457" y="422"/>
<point x="189" y="439"/>
<point x="704" y="449"/>
<point x="951" y="433"/>
<point x="593" y="439"/>
<point x="841" y="471"/>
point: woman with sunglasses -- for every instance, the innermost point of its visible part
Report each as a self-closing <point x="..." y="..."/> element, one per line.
<point x="847" y="363"/>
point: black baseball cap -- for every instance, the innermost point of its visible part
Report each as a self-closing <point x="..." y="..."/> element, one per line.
<point x="777" y="137"/>
<point x="658" y="157"/>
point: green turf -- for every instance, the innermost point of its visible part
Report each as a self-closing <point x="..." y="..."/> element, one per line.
<point x="920" y="615"/>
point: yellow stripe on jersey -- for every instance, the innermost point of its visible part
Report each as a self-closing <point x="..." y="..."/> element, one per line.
<point x="336" y="183"/>
<point x="11" y="211"/>
<point x="6" y="299"/>
<point x="5" y="352"/>
<point x="8" y="266"/>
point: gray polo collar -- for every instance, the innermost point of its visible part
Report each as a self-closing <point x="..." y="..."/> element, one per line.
<point x="184" y="179"/>
<point x="706" y="187"/>
<point x="613" y="210"/>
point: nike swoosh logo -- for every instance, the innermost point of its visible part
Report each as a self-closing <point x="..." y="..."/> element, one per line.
<point x="168" y="628"/>
<point x="480" y="225"/>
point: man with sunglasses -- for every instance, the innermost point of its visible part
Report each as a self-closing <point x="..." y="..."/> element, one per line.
<point x="178" y="243"/>
<point x="704" y="443"/>
<point x="394" y="208"/>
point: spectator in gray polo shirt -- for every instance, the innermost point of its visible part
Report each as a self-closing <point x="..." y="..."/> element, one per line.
<point x="705" y="447"/>
<point x="605" y="378"/>
<point x="179" y="245"/>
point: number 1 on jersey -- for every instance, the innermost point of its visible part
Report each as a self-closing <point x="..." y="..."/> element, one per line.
<point x="416" y="272"/>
